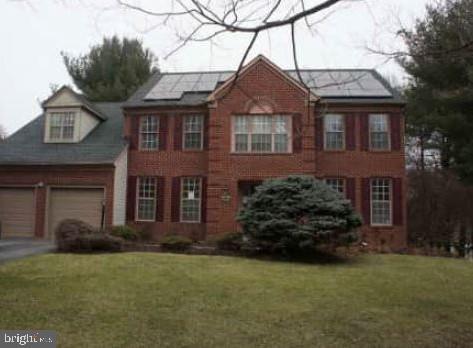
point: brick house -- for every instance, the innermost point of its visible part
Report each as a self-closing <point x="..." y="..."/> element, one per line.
<point x="184" y="151"/>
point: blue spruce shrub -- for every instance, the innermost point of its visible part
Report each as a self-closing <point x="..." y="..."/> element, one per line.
<point x="297" y="213"/>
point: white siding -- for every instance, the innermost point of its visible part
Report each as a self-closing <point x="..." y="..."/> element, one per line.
<point x="119" y="188"/>
<point x="87" y="122"/>
<point x="63" y="98"/>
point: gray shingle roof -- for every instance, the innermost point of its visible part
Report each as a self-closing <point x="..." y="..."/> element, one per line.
<point x="333" y="85"/>
<point x="101" y="146"/>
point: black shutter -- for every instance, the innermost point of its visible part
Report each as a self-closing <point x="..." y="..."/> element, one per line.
<point x="364" y="132"/>
<point x="395" y="132"/>
<point x="366" y="201"/>
<point x="163" y="132"/>
<point x="160" y="198"/>
<point x="350" y="132"/>
<point x="178" y="132"/>
<point x="319" y="132"/>
<point x="131" y="198"/>
<point x="397" y="201"/>
<point x="176" y="199"/>
<point x="134" y="135"/>
<point x="203" y="206"/>
<point x="297" y="132"/>
<point x="206" y="132"/>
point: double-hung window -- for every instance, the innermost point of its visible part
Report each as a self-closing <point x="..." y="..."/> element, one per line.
<point x="193" y="132"/>
<point x="336" y="184"/>
<point x="379" y="132"/>
<point x="147" y="193"/>
<point x="261" y="134"/>
<point x="381" y="201"/>
<point x="334" y="126"/>
<point x="191" y="197"/>
<point x="61" y="126"/>
<point x="149" y="132"/>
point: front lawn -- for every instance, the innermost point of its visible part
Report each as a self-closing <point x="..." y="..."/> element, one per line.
<point x="166" y="300"/>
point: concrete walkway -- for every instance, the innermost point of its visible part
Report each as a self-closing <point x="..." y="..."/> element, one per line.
<point x="12" y="249"/>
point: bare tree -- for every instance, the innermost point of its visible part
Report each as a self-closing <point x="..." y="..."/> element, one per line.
<point x="205" y="21"/>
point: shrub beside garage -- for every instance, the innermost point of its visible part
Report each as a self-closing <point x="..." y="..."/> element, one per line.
<point x="77" y="236"/>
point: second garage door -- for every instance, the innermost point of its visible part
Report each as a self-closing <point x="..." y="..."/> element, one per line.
<point x="84" y="204"/>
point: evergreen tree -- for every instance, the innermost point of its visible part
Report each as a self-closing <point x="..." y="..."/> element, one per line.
<point x="111" y="71"/>
<point x="440" y="90"/>
<point x="295" y="214"/>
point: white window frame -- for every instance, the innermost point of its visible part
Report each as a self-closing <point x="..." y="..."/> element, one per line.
<point x="138" y="198"/>
<point x="388" y="131"/>
<point x="157" y="133"/>
<point x="184" y="132"/>
<point x="344" y="184"/>
<point x="273" y="134"/>
<point x="181" y="199"/>
<point x="390" y="223"/>
<point x="343" y="132"/>
<point x="62" y="116"/>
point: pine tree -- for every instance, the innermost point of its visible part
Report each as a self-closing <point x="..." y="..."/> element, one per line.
<point x="296" y="214"/>
<point x="111" y="71"/>
<point x="440" y="91"/>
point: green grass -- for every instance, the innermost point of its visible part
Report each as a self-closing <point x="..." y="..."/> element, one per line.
<point x="166" y="300"/>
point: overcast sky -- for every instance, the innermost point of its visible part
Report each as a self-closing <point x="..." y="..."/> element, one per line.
<point x="33" y="33"/>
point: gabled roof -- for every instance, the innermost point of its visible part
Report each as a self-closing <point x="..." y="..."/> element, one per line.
<point x="81" y="101"/>
<point x="260" y="59"/>
<point x="101" y="146"/>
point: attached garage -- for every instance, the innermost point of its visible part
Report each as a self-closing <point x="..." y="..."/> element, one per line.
<point x="17" y="212"/>
<point x="84" y="204"/>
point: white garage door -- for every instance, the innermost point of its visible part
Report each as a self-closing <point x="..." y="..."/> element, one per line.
<point x="75" y="203"/>
<point x="17" y="212"/>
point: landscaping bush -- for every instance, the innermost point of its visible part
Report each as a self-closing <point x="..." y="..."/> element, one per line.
<point x="69" y="229"/>
<point x="296" y="214"/>
<point x="93" y="243"/>
<point x="78" y="236"/>
<point x="175" y="243"/>
<point x="126" y="232"/>
<point x="229" y="241"/>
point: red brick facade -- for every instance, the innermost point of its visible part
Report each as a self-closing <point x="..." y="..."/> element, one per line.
<point x="262" y="88"/>
<point x="222" y="169"/>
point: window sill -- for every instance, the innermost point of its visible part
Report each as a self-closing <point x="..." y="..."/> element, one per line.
<point x="387" y="227"/>
<point x="335" y="150"/>
<point x="261" y="153"/>
<point x="192" y="150"/>
<point x="60" y="141"/>
<point x="381" y="151"/>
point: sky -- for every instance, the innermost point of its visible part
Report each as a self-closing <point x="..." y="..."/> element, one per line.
<point x="34" y="33"/>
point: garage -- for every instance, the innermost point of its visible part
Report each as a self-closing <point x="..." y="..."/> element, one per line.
<point x="17" y="212"/>
<point x="85" y="204"/>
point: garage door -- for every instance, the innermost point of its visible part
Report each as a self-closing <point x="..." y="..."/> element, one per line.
<point x="72" y="203"/>
<point x="17" y="212"/>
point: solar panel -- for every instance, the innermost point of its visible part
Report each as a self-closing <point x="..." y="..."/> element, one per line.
<point x="325" y="83"/>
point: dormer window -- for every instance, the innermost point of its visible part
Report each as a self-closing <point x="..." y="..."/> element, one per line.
<point x="69" y="117"/>
<point x="61" y="126"/>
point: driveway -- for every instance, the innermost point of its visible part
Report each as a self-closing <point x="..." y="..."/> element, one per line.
<point x="12" y="249"/>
